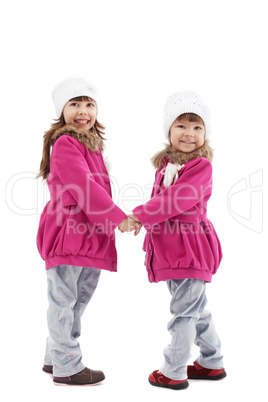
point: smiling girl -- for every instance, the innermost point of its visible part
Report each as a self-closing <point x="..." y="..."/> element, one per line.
<point x="181" y="244"/>
<point x="80" y="112"/>
<point x="187" y="133"/>
<point x="76" y="230"/>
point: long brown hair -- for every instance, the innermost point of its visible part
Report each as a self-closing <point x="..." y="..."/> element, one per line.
<point x="45" y="162"/>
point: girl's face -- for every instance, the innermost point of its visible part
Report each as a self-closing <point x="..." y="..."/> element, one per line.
<point x="187" y="136"/>
<point x="80" y="114"/>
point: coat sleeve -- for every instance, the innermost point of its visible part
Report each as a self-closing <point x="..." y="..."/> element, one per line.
<point x="75" y="175"/>
<point x="193" y="185"/>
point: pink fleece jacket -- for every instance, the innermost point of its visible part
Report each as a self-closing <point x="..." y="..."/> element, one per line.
<point x="181" y="242"/>
<point x="77" y="224"/>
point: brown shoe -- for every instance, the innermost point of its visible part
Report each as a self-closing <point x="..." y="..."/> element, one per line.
<point x="84" y="377"/>
<point x="48" y="369"/>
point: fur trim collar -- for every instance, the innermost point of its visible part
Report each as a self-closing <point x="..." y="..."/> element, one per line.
<point x="174" y="156"/>
<point x="89" y="138"/>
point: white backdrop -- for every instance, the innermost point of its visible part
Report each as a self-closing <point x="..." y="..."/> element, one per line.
<point x="137" y="53"/>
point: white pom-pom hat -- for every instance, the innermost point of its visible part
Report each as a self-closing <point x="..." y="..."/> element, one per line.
<point x="185" y="102"/>
<point x="70" y="88"/>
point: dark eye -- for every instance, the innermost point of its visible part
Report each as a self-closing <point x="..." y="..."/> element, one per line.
<point x="91" y="104"/>
<point x="74" y="104"/>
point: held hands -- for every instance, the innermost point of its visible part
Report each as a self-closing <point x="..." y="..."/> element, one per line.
<point x="129" y="224"/>
<point x="137" y="223"/>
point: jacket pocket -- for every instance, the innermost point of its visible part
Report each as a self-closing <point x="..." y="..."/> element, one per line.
<point x="67" y="199"/>
<point x="149" y="262"/>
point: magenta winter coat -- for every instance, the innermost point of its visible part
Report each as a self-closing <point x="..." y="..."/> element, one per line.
<point x="77" y="224"/>
<point x="181" y="242"/>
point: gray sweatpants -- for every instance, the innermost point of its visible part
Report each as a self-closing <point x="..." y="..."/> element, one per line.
<point x="70" y="289"/>
<point x="191" y="324"/>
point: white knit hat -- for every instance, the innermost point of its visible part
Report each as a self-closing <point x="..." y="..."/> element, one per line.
<point x="185" y="102"/>
<point x="70" y="88"/>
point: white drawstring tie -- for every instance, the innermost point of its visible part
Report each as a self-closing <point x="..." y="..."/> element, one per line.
<point x="171" y="173"/>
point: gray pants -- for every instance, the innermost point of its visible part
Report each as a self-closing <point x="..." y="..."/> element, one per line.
<point x="70" y="289"/>
<point x="191" y="324"/>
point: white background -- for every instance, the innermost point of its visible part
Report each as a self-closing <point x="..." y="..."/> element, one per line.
<point x="137" y="53"/>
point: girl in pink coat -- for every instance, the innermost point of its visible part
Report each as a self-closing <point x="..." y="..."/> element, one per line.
<point x="181" y="244"/>
<point x="76" y="231"/>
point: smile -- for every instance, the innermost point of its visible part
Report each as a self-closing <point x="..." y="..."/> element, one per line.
<point x="187" y="142"/>
<point x="81" y="121"/>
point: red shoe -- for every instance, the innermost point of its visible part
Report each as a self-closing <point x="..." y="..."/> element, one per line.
<point x="159" y="380"/>
<point x="197" y="372"/>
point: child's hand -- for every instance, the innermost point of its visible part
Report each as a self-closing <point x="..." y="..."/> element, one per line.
<point x="134" y="217"/>
<point x="128" y="225"/>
